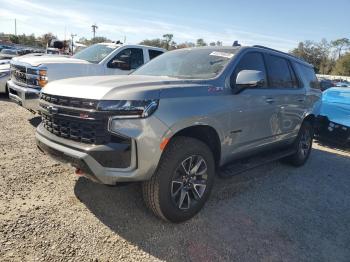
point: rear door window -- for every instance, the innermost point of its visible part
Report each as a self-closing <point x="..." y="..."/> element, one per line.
<point x="281" y="74"/>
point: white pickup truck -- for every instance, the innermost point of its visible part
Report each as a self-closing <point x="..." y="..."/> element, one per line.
<point x="30" y="74"/>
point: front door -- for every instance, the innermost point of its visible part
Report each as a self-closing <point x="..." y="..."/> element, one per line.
<point x="125" y="62"/>
<point x="254" y="113"/>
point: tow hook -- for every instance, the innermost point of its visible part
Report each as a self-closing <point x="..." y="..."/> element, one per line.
<point x="79" y="172"/>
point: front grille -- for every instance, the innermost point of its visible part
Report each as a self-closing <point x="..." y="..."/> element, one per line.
<point x="75" y="119"/>
<point x="70" y="101"/>
<point x="25" y="76"/>
<point x="18" y="73"/>
<point x="80" y="130"/>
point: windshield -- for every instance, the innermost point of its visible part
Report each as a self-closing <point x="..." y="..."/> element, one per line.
<point x="95" y="53"/>
<point x="8" y="52"/>
<point x="189" y="63"/>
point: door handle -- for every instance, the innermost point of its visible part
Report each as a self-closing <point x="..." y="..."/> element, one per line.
<point x="270" y="100"/>
<point x="301" y="100"/>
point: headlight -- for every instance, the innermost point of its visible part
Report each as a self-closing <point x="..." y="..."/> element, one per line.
<point x="129" y="108"/>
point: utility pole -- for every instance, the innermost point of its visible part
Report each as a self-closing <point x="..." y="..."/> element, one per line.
<point x="94" y="27"/>
<point x="15" y="27"/>
<point x="72" y="36"/>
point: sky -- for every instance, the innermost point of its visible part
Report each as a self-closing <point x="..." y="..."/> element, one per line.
<point x="276" y="24"/>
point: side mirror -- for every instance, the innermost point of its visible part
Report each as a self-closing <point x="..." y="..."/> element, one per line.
<point x="249" y="79"/>
<point x="123" y="63"/>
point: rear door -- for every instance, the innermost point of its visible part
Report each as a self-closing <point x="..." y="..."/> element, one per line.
<point x="288" y="96"/>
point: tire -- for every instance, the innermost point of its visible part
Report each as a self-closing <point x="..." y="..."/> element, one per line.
<point x="182" y="182"/>
<point x="302" y="145"/>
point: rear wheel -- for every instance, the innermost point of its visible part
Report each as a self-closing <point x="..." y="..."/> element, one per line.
<point x="183" y="181"/>
<point x="302" y="145"/>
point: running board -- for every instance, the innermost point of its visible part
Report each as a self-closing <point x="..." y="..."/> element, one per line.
<point x="242" y="165"/>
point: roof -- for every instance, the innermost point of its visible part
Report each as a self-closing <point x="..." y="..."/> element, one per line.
<point x="297" y="59"/>
<point x="259" y="47"/>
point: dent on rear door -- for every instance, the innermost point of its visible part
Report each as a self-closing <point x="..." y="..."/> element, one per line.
<point x="292" y="107"/>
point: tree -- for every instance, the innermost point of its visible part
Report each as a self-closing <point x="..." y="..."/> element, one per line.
<point x="326" y="62"/>
<point x="341" y="45"/>
<point x="166" y="43"/>
<point x="200" y="42"/>
<point x="45" y="39"/>
<point x="342" y="66"/>
<point x="152" y="42"/>
<point x="185" y="45"/>
<point x="218" y="43"/>
<point x="14" y="39"/>
<point x="212" y="44"/>
<point x="99" y="39"/>
<point x="167" y="40"/>
<point x="313" y="53"/>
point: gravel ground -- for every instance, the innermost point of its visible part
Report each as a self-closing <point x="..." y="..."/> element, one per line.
<point x="272" y="213"/>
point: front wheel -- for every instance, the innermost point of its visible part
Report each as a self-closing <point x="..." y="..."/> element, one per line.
<point x="183" y="180"/>
<point x="302" y="145"/>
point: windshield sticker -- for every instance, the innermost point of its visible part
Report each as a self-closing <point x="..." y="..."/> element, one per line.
<point x="221" y="54"/>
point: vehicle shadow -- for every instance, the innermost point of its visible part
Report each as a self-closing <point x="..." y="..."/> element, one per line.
<point x="258" y="215"/>
<point x="4" y="97"/>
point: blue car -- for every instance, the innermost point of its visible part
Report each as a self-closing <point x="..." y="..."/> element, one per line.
<point x="334" y="117"/>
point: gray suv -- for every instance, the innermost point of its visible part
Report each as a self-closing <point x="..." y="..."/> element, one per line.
<point x="180" y="119"/>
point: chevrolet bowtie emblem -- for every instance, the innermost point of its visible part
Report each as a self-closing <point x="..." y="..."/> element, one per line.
<point x="84" y="115"/>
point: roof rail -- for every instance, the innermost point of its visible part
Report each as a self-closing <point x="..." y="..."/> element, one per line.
<point x="271" y="49"/>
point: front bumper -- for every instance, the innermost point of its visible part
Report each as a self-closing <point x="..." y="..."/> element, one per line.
<point x="3" y="81"/>
<point x="144" y="152"/>
<point x="89" y="158"/>
<point x="24" y="96"/>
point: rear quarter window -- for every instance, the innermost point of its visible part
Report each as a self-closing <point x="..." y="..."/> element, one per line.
<point x="154" y="53"/>
<point x="307" y="75"/>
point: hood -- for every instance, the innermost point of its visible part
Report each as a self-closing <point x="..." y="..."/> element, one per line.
<point x="4" y="67"/>
<point x="4" y="61"/>
<point x="126" y="87"/>
<point x="48" y="59"/>
<point x="7" y="57"/>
